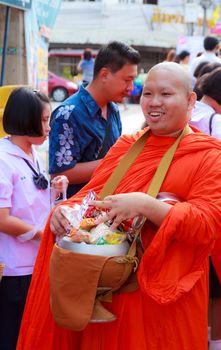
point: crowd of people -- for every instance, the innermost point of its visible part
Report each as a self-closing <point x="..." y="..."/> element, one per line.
<point x="180" y="243"/>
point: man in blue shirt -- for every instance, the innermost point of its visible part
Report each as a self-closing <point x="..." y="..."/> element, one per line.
<point x="88" y="123"/>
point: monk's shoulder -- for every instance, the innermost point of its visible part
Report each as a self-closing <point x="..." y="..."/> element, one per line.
<point x="129" y="139"/>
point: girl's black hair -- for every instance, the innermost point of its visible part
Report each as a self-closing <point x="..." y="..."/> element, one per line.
<point x="198" y="68"/>
<point x="210" y="85"/>
<point x="207" y="68"/>
<point x="23" y="112"/>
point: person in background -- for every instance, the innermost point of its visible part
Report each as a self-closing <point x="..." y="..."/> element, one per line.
<point x="137" y="86"/>
<point x="211" y="46"/>
<point x="171" y="55"/>
<point x="196" y="72"/>
<point x="86" y="66"/>
<point x="206" y="116"/>
<point x="206" y="68"/>
<point x="88" y="123"/>
<point x="169" y="308"/>
<point x="183" y="58"/>
<point x="24" y="202"/>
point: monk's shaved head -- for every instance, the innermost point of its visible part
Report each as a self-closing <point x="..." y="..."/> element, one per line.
<point x="167" y="99"/>
<point x="177" y="72"/>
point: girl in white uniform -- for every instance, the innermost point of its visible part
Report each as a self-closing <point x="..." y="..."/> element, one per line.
<point x="24" y="202"/>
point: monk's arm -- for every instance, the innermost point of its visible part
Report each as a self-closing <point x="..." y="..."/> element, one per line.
<point x="154" y="210"/>
<point x="129" y="205"/>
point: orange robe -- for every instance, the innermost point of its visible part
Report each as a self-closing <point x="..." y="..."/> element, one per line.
<point x="169" y="311"/>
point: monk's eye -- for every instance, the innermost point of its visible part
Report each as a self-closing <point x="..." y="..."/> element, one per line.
<point x="166" y="94"/>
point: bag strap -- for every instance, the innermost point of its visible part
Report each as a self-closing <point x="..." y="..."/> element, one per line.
<point x="102" y="152"/>
<point x="211" y="122"/>
<point x="164" y="165"/>
<point x="125" y="163"/>
<point x="158" y="180"/>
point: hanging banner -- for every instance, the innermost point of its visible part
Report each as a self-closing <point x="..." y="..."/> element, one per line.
<point x="46" y="11"/>
<point x="20" y="4"/>
<point x="38" y="27"/>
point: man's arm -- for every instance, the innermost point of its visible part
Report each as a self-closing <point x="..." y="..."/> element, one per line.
<point x="66" y="149"/>
<point x="80" y="173"/>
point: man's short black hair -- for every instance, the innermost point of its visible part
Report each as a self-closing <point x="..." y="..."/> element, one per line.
<point x="183" y="54"/>
<point x="210" y="85"/>
<point x="23" y="112"/>
<point x="210" y="43"/>
<point x="114" y="56"/>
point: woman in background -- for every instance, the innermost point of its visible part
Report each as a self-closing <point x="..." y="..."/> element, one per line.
<point x="171" y="55"/>
<point x="183" y="58"/>
<point x="207" y="117"/>
<point x="204" y="69"/>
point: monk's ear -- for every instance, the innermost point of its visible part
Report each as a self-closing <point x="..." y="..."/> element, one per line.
<point x="191" y="100"/>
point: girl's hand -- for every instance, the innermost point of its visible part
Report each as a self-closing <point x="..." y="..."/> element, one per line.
<point x="60" y="183"/>
<point x="122" y="207"/>
<point x="38" y="236"/>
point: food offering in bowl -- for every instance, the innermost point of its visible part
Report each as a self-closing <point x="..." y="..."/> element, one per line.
<point x="88" y="236"/>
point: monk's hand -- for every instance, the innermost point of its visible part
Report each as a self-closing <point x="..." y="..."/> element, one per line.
<point x="121" y="207"/>
<point x="59" y="223"/>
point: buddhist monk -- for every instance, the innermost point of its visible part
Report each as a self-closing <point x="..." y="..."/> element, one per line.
<point x="169" y="308"/>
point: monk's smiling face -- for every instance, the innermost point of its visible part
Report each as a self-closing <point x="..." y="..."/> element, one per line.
<point x="167" y="99"/>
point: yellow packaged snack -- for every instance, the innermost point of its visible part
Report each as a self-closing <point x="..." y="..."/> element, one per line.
<point x="114" y="238"/>
<point x="87" y="224"/>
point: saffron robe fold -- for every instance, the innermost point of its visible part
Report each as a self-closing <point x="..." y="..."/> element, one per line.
<point x="169" y="310"/>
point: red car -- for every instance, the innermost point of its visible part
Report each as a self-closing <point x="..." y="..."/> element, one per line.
<point x="60" y="88"/>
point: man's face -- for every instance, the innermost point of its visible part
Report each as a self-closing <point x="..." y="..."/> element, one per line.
<point x="166" y="102"/>
<point x="119" y="84"/>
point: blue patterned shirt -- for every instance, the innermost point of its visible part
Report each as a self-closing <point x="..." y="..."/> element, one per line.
<point x="78" y="131"/>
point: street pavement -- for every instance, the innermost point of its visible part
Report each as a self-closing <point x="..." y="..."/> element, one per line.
<point x="132" y="118"/>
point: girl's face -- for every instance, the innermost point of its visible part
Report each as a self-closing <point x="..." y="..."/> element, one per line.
<point x="45" y="119"/>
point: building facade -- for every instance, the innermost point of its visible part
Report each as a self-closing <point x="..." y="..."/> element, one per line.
<point x="25" y="29"/>
<point x="152" y="27"/>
